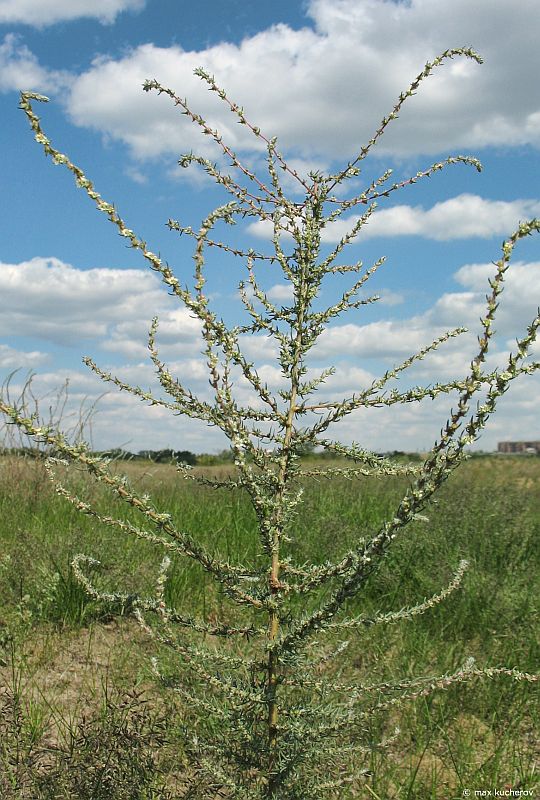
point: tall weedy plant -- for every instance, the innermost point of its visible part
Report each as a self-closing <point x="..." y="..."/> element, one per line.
<point x="272" y="725"/>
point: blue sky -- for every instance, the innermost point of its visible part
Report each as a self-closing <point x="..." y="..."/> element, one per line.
<point x="320" y="75"/>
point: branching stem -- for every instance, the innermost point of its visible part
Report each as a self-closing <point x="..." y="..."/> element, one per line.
<point x="266" y="705"/>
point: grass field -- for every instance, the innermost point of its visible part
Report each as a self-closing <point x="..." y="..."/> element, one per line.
<point x="82" y="716"/>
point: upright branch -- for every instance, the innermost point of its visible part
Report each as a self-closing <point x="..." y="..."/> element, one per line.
<point x="277" y="735"/>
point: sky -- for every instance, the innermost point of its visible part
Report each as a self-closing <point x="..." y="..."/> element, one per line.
<point x="319" y="75"/>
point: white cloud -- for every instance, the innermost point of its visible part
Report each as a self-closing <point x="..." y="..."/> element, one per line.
<point x="122" y="420"/>
<point x="262" y="348"/>
<point x="47" y="298"/>
<point x="518" y="303"/>
<point x="385" y="338"/>
<point x="400" y="338"/>
<point x="136" y="175"/>
<point x="325" y="90"/>
<point x="191" y="372"/>
<point x="177" y="331"/>
<point x="461" y="217"/>
<point x="389" y="341"/>
<point x="390" y="298"/>
<point x="14" y="359"/>
<point x="281" y="291"/>
<point x="21" y="70"/>
<point x="522" y="278"/>
<point x="148" y="124"/>
<point x="40" y="13"/>
<point x="345" y="381"/>
<point x="57" y="302"/>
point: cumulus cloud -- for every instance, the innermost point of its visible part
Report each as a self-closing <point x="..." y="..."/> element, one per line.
<point x="389" y="298"/>
<point x="191" y="372"/>
<point x="177" y="330"/>
<point x="47" y="298"/>
<point x="388" y="342"/>
<point x="148" y="124"/>
<point x="384" y="338"/>
<point x="326" y="87"/>
<point x="346" y="380"/>
<point x="14" y="359"/>
<point x="259" y="347"/>
<point x="62" y="304"/>
<point x="523" y="278"/>
<point x="396" y="338"/>
<point x="281" y="291"/>
<point x="518" y="304"/>
<point x="119" y="419"/>
<point x="40" y="13"/>
<point x="21" y="70"/>
<point x="461" y="217"/>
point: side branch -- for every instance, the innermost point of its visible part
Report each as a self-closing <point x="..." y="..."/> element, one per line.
<point x="351" y="168"/>
<point x="365" y="397"/>
<point x="150" y="85"/>
<point x="404" y="613"/>
<point x="157" y="605"/>
<point x="444" y="458"/>
<point x="373" y="191"/>
<point x="163" y="522"/>
<point x="239" y="112"/>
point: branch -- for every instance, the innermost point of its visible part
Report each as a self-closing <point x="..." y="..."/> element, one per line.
<point x="372" y="192"/>
<point x="149" y="85"/>
<point x="351" y="169"/>
<point x="343" y="407"/>
<point x="174" y="225"/>
<point x="404" y="613"/>
<point x="347" y="238"/>
<point x="426" y="687"/>
<point x="155" y="262"/>
<point x="203" y="411"/>
<point x="179" y="541"/>
<point x="156" y="605"/>
<point x="239" y="112"/>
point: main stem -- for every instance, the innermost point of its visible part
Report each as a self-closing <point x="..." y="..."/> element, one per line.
<point x="274" y="583"/>
<point x="273" y="626"/>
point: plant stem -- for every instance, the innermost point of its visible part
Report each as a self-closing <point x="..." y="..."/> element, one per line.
<point x="304" y="261"/>
<point x="273" y="627"/>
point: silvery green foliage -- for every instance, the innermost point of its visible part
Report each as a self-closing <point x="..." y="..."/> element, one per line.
<point x="279" y="727"/>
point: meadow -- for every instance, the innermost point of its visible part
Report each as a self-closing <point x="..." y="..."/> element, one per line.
<point x="83" y="716"/>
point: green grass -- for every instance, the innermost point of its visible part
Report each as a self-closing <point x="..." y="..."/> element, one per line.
<point x="479" y="736"/>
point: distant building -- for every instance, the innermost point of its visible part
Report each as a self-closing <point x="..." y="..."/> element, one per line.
<point x="519" y="447"/>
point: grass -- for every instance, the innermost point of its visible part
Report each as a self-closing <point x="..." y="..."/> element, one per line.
<point x="59" y="645"/>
